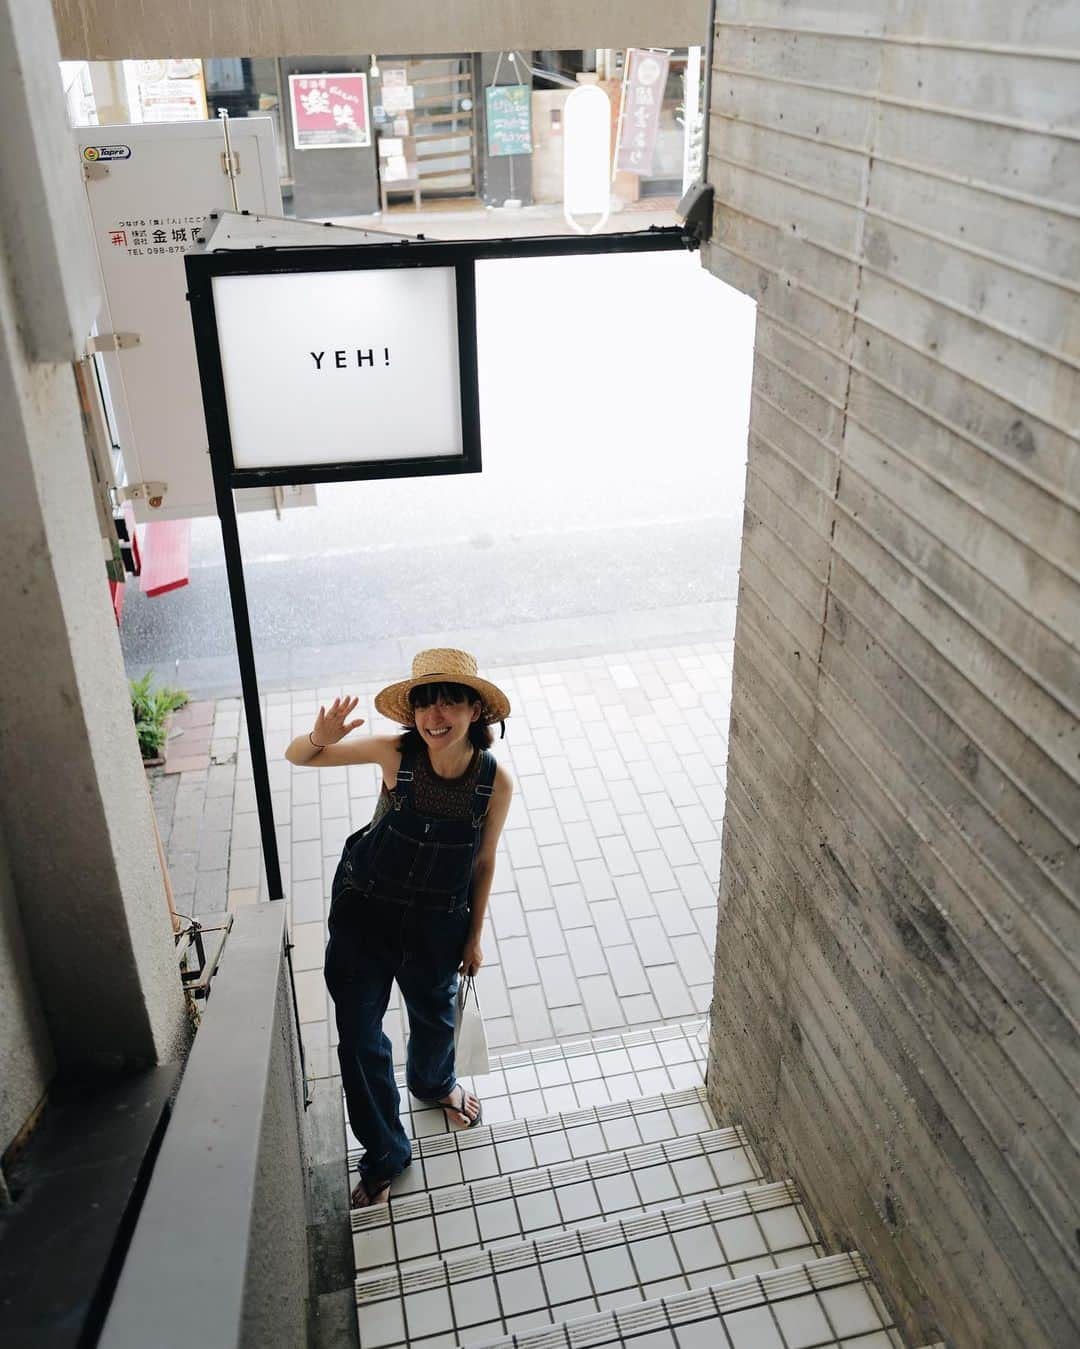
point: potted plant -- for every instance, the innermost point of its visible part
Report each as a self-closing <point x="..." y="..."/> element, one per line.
<point x="151" y="709"/>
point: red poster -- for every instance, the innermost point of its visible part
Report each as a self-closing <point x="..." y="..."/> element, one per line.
<point x="643" y="96"/>
<point x="329" y="112"/>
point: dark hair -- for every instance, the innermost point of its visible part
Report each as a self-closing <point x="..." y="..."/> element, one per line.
<point x="426" y="695"/>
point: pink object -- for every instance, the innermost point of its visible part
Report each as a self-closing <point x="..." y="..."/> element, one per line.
<point x="329" y="111"/>
<point x="166" y="556"/>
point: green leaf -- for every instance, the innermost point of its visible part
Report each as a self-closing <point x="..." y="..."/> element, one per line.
<point x="150" y="708"/>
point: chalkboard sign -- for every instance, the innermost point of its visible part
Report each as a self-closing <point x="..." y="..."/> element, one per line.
<point x="509" y="119"/>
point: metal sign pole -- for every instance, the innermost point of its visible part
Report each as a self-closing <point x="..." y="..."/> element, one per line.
<point x="227" y="159"/>
<point x="622" y="114"/>
<point x="249" y="680"/>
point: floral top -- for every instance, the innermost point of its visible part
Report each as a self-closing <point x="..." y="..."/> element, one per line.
<point x="441" y="798"/>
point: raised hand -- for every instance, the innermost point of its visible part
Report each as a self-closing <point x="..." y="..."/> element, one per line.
<point x="332" y="726"/>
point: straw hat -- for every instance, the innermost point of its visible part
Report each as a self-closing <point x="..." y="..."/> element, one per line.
<point x="441" y="665"/>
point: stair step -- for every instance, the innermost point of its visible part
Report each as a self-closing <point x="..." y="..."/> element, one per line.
<point x="523" y="1145"/>
<point x="577" y="1273"/>
<point x="461" y="1220"/>
<point x="828" y="1303"/>
<point x="575" y="1075"/>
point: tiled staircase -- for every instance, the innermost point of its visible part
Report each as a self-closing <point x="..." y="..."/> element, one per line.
<point x="600" y="1202"/>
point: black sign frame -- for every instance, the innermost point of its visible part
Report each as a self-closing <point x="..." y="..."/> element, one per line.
<point x="203" y="268"/>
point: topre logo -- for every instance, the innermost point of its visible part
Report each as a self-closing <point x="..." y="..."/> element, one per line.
<point x="96" y="153"/>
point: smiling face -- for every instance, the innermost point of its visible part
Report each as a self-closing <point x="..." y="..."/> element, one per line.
<point x="443" y="717"/>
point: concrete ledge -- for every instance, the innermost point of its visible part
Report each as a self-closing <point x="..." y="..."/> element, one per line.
<point x="222" y="1232"/>
<point x="116" y="29"/>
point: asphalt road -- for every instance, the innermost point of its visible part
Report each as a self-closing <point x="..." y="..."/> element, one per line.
<point x="365" y="595"/>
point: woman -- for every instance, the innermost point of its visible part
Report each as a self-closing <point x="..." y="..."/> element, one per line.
<point x="410" y="893"/>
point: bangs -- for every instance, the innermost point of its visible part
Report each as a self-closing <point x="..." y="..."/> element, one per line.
<point x="427" y="695"/>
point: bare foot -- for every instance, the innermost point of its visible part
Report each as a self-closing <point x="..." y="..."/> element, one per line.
<point x="367" y="1193"/>
<point x="462" y="1106"/>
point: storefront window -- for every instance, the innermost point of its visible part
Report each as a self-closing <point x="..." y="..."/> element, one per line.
<point x="667" y="165"/>
<point x="248" y="87"/>
<point x="440" y="138"/>
<point x="425" y="123"/>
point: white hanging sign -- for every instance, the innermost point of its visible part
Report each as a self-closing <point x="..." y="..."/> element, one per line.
<point x="587" y="157"/>
<point x="324" y="367"/>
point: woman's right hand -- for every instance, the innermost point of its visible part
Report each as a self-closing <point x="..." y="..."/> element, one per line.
<point x="330" y="727"/>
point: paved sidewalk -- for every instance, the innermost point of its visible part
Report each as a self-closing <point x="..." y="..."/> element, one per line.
<point x="603" y="911"/>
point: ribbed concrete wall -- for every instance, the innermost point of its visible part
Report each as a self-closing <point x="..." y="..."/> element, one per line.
<point x="898" y="186"/>
<point x="93" y="922"/>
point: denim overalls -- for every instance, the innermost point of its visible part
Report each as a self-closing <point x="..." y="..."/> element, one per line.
<point x="400" y="910"/>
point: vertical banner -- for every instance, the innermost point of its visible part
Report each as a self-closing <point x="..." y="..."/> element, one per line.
<point x="329" y="112"/>
<point x="643" y="95"/>
<point x="509" y="119"/>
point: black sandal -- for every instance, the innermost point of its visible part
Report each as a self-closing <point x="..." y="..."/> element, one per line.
<point x="370" y="1194"/>
<point x="460" y="1110"/>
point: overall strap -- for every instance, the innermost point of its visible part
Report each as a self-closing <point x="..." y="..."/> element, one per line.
<point x="484" y="789"/>
<point x="402" y="793"/>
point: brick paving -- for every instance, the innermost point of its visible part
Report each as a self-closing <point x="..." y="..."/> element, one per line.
<point x="603" y="910"/>
<point x="190" y="731"/>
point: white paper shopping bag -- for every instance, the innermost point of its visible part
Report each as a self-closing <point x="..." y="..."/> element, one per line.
<point x="470" y="1039"/>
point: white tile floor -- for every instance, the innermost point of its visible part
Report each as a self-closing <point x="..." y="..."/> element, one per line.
<point x="461" y="1220"/>
<point x="463" y="1156"/>
<point x="675" y="1239"/>
<point x="608" y="1264"/>
<point x="574" y="1074"/>
<point x="823" y="1304"/>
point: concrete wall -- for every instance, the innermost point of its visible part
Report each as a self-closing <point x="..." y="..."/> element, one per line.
<point x="26" y="1057"/>
<point x="112" y="29"/>
<point x="896" y="998"/>
<point x="96" y="941"/>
